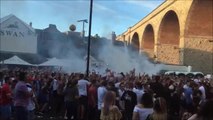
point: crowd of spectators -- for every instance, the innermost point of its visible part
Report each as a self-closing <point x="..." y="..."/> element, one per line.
<point x="30" y="94"/>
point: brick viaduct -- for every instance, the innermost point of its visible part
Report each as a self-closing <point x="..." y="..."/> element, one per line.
<point x="176" y="32"/>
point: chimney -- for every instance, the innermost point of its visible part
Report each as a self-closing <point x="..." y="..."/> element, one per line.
<point x="52" y="26"/>
<point x="113" y="36"/>
<point x="31" y="24"/>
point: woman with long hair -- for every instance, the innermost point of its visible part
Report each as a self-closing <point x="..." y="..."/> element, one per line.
<point x="92" y="100"/>
<point x="144" y="108"/>
<point x="71" y="99"/>
<point x="160" y="110"/>
<point x="109" y="110"/>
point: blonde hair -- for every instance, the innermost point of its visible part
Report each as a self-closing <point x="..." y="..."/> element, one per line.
<point x="109" y="99"/>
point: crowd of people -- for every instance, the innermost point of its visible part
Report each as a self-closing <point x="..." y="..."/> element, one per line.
<point x="35" y="94"/>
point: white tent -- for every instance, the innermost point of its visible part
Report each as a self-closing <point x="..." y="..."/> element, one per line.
<point x="52" y="62"/>
<point x="15" y="61"/>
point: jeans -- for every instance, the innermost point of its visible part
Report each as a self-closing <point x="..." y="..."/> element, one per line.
<point x="31" y="115"/>
<point x="92" y="113"/>
<point x="71" y="109"/>
<point x="21" y="113"/>
<point x="5" y="111"/>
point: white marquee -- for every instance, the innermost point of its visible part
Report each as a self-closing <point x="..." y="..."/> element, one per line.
<point x="15" y="61"/>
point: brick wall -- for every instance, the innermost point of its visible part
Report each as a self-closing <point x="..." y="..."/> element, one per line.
<point x="149" y="52"/>
<point x="167" y="53"/>
<point x="198" y="53"/>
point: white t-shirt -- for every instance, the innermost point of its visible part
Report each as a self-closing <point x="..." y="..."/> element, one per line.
<point x="139" y="93"/>
<point x="202" y="89"/>
<point x="1" y="83"/>
<point x="101" y="92"/>
<point x="55" y="84"/>
<point x="82" y="87"/>
<point x="120" y="92"/>
<point x="193" y="117"/>
<point x="117" y="84"/>
<point x="143" y="112"/>
<point x="31" y="105"/>
<point x="185" y="86"/>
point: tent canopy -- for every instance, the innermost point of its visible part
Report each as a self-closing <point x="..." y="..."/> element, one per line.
<point x="52" y="62"/>
<point x="15" y="61"/>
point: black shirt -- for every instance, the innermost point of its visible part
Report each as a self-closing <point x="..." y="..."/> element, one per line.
<point x="130" y="100"/>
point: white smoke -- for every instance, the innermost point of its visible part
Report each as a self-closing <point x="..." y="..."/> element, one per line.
<point x="70" y="57"/>
<point x="73" y="64"/>
<point x="116" y="58"/>
<point x="121" y="59"/>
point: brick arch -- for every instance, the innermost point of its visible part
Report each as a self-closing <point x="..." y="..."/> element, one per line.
<point x="148" y="37"/>
<point x="169" y="31"/>
<point x="135" y="42"/>
<point x="200" y="12"/>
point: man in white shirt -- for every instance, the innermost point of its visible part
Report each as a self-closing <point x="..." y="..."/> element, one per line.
<point x="138" y="90"/>
<point x="82" y="88"/>
<point x="55" y="85"/>
<point x="101" y="93"/>
<point x="203" y="91"/>
<point x="31" y="105"/>
<point x="54" y="95"/>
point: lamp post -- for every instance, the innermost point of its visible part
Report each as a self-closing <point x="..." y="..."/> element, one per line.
<point x="83" y="21"/>
<point x="1" y="56"/>
<point x="211" y="41"/>
<point x="89" y="36"/>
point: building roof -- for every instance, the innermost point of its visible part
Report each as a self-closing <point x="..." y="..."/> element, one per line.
<point x="11" y="16"/>
<point x="119" y="43"/>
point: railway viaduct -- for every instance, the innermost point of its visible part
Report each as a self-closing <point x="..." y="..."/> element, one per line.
<point x="177" y="32"/>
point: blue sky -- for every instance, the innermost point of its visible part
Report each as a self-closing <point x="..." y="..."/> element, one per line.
<point x="108" y="15"/>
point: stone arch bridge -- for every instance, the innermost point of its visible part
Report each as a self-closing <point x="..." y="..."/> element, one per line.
<point x="177" y="32"/>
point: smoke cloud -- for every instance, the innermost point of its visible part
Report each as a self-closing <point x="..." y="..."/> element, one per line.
<point x="104" y="54"/>
<point x="123" y="59"/>
<point x="69" y="51"/>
